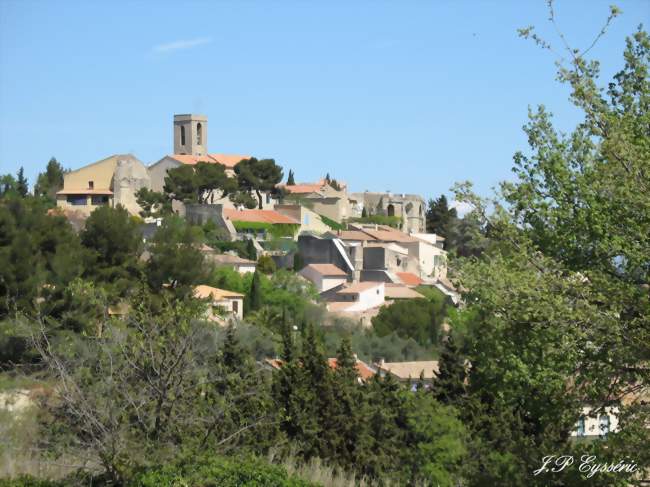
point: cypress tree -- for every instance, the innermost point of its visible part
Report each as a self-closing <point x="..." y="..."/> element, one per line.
<point x="256" y="292"/>
<point x="290" y="179"/>
<point x="364" y="213"/>
<point x="449" y="384"/>
<point x="251" y="251"/>
<point x="21" y="183"/>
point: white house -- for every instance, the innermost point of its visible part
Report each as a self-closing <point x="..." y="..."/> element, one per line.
<point x="361" y="296"/>
<point x="594" y="425"/>
<point x="324" y="276"/>
<point x="223" y="303"/>
<point x="243" y="266"/>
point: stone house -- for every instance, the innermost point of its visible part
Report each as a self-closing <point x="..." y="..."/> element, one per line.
<point x="223" y="304"/>
<point x="310" y="221"/>
<point x="112" y="181"/>
<point x="322" y="199"/>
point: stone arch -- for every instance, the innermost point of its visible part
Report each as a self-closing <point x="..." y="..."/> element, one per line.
<point x="391" y="210"/>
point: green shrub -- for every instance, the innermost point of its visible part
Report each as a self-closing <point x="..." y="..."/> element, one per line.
<point x="29" y="481"/>
<point x="334" y="225"/>
<point x="218" y="472"/>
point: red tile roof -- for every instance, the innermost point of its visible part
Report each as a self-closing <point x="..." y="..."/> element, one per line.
<point x="360" y="287"/>
<point x="228" y="160"/>
<point x="260" y="216"/>
<point x="409" y="278"/>
<point x="363" y="370"/>
<point x="327" y="269"/>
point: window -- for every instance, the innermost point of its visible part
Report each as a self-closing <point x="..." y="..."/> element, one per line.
<point x="76" y="199"/>
<point x="580" y="427"/>
<point x="235" y="306"/>
<point x="91" y="184"/>
<point x="391" y="210"/>
<point x="199" y="136"/>
<point x="99" y="200"/>
<point x="182" y="135"/>
<point x="604" y="424"/>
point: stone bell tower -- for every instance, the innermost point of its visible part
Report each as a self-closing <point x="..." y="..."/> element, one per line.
<point x="191" y="134"/>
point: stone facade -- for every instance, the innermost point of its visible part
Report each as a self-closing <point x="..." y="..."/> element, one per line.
<point x="112" y="181"/>
<point x="410" y="207"/>
<point x="191" y="134"/>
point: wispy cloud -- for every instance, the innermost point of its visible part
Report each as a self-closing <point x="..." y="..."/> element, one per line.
<point x="184" y="44"/>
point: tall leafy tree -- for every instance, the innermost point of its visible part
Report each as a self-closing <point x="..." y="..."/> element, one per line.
<point x="255" y="175"/>
<point x="175" y="257"/>
<point x="561" y="303"/>
<point x="114" y="242"/>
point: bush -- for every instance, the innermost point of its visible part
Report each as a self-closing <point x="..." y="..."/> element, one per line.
<point x="29" y="481"/>
<point x="219" y="472"/>
<point x="391" y="221"/>
<point x="266" y="264"/>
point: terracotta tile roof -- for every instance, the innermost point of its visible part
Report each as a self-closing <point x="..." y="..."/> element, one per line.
<point x="203" y="292"/>
<point x="360" y="287"/>
<point x="228" y="160"/>
<point x="353" y="235"/>
<point x="85" y="191"/>
<point x="230" y="259"/>
<point x="303" y="188"/>
<point x="390" y="235"/>
<point x="363" y="370"/>
<point x="261" y="216"/>
<point x="399" y="291"/>
<point x="327" y="269"/>
<point x="406" y="370"/>
<point x="409" y="278"/>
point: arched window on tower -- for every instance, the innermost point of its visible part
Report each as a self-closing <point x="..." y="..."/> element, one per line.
<point x="199" y="137"/>
<point x="182" y="135"/>
<point x="391" y="210"/>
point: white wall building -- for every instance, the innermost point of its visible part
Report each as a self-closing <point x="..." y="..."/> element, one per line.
<point x="324" y="276"/>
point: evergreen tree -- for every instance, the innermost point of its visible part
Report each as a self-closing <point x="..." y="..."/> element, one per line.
<point x="255" y="296"/>
<point x="440" y="218"/>
<point x="251" y="251"/>
<point x="298" y="262"/>
<point x="290" y="179"/>
<point x="21" y="183"/>
<point x="449" y="384"/>
<point x="51" y="181"/>
<point x="364" y="213"/>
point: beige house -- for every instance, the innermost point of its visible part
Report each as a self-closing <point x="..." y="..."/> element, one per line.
<point x="324" y="276"/>
<point x="310" y="221"/>
<point x="322" y="199"/>
<point x="112" y="181"/>
<point x="243" y="266"/>
<point x="410" y="372"/>
<point x="223" y="303"/>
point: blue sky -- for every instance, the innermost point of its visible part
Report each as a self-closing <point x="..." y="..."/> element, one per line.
<point x="401" y="96"/>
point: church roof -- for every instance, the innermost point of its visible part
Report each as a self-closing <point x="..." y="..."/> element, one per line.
<point x="228" y="160"/>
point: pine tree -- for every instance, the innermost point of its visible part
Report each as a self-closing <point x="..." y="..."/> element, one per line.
<point x="290" y="179"/>
<point x="50" y="181"/>
<point x="364" y="213"/>
<point x="449" y="384"/>
<point x="256" y="292"/>
<point x="298" y="262"/>
<point x="21" y="184"/>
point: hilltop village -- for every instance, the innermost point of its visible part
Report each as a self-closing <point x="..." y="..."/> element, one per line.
<point x="361" y="251"/>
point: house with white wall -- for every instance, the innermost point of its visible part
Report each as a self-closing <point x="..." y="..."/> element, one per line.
<point x="358" y="297"/>
<point x="223" y="304"/>
<point x="324" y="276"/>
